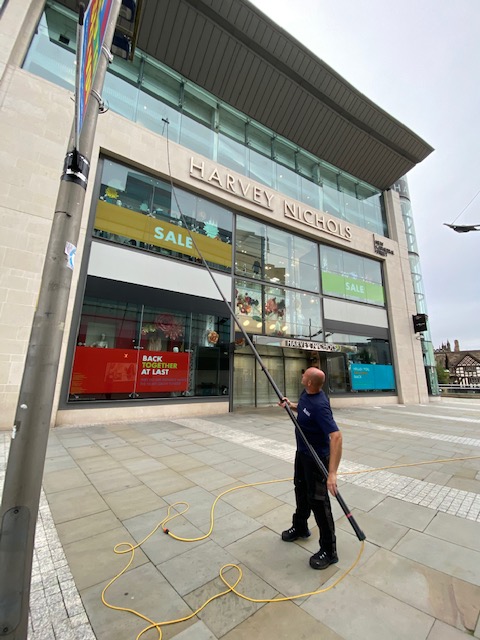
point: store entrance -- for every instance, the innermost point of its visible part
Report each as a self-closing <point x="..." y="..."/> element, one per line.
<point x="335" y="366"/>
<point x="251" y="387"/>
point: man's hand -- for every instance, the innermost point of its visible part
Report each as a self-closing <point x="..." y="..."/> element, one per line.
<point x="332" y="483"/>
<point x="285" y="402"/>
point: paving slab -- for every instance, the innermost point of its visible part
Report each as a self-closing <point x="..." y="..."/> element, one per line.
<point x="195" y="567"/>
<point x="409" y="515"/>
<point x="354" y="610"/>
<point x="441" y="555"/>
<point x="453" y="601"/>
<point x="381" y="532"/>
<point x="225" y="613"/>
<point x="142" y="589"/>
<point x="93" y="560"/>
<point x="452" y="529"/>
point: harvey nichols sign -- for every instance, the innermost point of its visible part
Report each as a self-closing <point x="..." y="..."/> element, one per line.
<point x="242" y="188"/>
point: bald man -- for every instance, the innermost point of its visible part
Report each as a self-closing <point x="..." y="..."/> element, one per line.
<point x="311" y="487"/>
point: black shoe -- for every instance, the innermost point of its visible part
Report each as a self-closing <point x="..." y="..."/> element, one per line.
<point x="322" y="559"/>
<point x="292" y="534"/>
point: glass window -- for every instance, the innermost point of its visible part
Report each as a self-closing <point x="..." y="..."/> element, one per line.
<point x="139" y="210"/>
<point x="52" y="52"/>
<point x="261" y="169"/>
<point x="151" y="113"/>
<point x="135" y="351"/>
<point x="350" y="276"/>
<point x="206" y="126"/>
<point x="248" y="305"/>
<point x="231" y="124"/>
<point x="250" y="248"/>
<point x="278" y="247"/>
<point x="260" y="139"/>
<point x="311" y="194"/>
<point x="303" y="272"/>
<point x="159" y="82"/>
<point x="197" y="137"/>
<point x="303" y="316"/>
<point x="232" y="154"/>
<point x="369" y="361"/>
<point x="331" y="195"/>
<point x="288" y="182"/>
<point x="284" y="153"/>
<point x="274" y="312"/>
<point x="120" y="96"/>
<point x="199" y="106"/>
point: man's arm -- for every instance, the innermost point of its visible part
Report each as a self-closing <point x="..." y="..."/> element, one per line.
<point x="335" y="457"/>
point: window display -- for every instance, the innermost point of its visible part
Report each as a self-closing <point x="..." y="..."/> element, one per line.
<point x="143" y="351"/>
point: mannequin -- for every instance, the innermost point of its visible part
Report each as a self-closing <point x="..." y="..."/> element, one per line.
<point x="102" y="343"/>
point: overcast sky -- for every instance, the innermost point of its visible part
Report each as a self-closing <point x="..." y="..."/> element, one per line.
<point x="419" y="60"/>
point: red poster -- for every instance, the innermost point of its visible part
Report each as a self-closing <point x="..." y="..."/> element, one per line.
<point x="98" y="370"/>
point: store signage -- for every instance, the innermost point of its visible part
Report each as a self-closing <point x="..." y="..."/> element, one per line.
<point x="317" y="220"/>
<point x="309" y="345"/>
<point x="239" y="187"/>
<point x="128" y="371"/>
<point x="372" y="377"/>
<point x="353" y="288"/>
<point x="242" y="188"/>
<point x="380" y="249"/>
<point x="151" y="231"/>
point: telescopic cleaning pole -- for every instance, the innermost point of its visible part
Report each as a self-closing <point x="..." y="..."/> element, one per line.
<point x="359" y="533"/>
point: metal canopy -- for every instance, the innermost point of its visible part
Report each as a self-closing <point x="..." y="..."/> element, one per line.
<point x="234" y="51"/>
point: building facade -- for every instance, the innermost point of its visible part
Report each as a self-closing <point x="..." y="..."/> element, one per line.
<point x="226" y="141"/>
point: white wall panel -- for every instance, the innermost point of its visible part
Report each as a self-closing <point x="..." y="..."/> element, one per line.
<point x="344" y="311"/>
<point x="136" y="267"/>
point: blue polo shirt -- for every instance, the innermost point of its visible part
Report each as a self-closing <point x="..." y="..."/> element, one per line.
<point x="316" y="421"/>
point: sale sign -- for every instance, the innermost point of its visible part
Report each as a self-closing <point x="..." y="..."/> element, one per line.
<point x="98" y="370"/>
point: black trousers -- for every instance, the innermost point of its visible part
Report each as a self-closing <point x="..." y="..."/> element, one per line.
<point x="312" y="496"/>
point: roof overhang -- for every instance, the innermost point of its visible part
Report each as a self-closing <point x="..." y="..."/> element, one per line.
<point x="234" y="51"/>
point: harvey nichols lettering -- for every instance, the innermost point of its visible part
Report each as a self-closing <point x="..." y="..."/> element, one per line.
<point x="242" y="188"/>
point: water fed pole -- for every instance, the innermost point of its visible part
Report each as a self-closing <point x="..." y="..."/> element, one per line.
<point x="359" y="533"/>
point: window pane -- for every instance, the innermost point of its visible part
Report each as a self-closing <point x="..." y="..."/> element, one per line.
<point x="250" y="248"/>
<point x="197" y="137"/>
<point x="304" y="270"/>
<point x="274" y="312"/>
<point x="121" y="96"/>
<point x="231" y="124"/>
<point x="303" y="316"/>
<point x="152" y="113"/>
<point x="199" y="106"/>
<point x="248" y="305"/>
<point x="262" y="169"/>
<point x="232" y="154"/>
<point x="288" y="182"/>
<point x="182" y="353"/>
<point x="259" y="139"/>
<point x="277" y="256"/>
<point x="160" y="83"/>
<point x="52" y="52"/>
<point x="311" y="194"/>
<point x="284" y="153"/>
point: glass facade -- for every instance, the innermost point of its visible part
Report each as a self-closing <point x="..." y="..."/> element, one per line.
<point x="138" y="210"/>
<point x="147" y="92"/>
<point x="129" y="350"/>
<point x="350" y="276"/>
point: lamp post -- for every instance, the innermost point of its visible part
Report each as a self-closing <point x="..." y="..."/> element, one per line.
<point x="23" y="479"/>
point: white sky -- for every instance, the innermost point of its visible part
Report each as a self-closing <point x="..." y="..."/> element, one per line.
<point x="419" y="60"/>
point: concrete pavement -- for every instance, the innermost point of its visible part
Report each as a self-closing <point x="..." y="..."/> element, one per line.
<point x="418" y="577"/>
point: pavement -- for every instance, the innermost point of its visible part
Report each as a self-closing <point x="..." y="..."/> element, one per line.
<point x="417" y="575"/>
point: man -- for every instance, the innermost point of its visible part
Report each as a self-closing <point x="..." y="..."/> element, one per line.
<point x="311" y="488"/>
